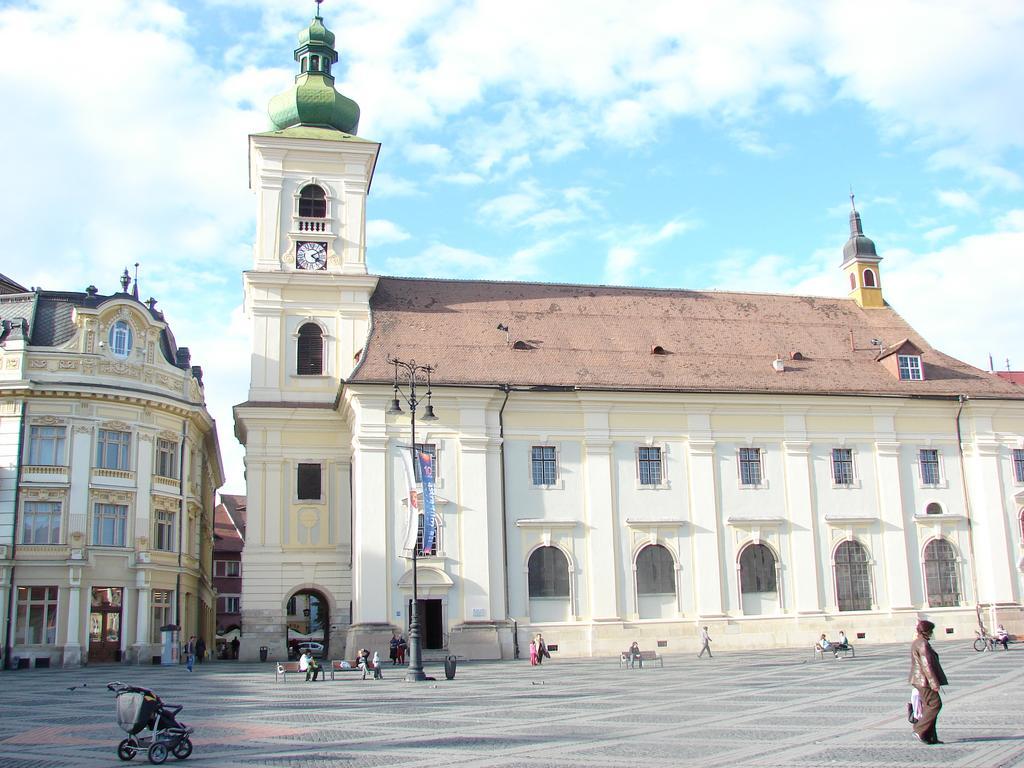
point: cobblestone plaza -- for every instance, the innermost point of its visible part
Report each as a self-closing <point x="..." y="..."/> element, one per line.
<point x="768" y="708"/>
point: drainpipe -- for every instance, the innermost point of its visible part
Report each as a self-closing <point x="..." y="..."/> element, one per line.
<point x="12" y="592"/>
<point x="504" y="514"/>
<point x="181" y="523"/>
<point x="962" y="399"/>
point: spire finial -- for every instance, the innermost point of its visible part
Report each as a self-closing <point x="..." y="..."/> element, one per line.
<point x="135" y="288"/>
<point x="852" y="204"/>
<point x="318" y="8"/>
<point x="126" y="280"/>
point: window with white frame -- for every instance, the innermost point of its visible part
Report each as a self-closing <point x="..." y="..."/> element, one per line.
<point x="436" y="545"/>
<point x="120" y="339"/>
<point x="431" y="450"/>
<point x="46" y="445"/>
<point x="112" y="449"/>
<point x="548" y="571"/>
<point x="36" y="618"/>
<point x="161" y="613"/>
<point x="910" y="367"/>
<point x="853" y="577"/>
<point x="227" y="568"/>
<point x="842" y="466"/>
<point x="757" y="569"/>
<point x="942" y="575"/>
<point x="655" y="571"/>
<point x="649" y="465"/>
<point x="109" y="525"/>
<point x="750" y="466"/>
<point x="308" y="482"/>
<point x="167" y="458"/>
<point x="40" y="522"/>
<point x="1018" y="465"/>
<point x="928" y="458"/>
<point x="544" y="465"/>
<point x="231" y="604"/>
<point x="163" y="530"/>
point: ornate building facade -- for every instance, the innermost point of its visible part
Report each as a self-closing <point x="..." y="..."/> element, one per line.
<point x="108" y="472"/>
<point x="612" y="463"/>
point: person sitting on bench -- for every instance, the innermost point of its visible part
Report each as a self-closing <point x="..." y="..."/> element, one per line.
<point x="824" y="645"/>
<point x="634" y="656"/>
<point x="1002" y="636"/>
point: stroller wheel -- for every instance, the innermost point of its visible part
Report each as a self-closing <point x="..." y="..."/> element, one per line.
<point x="126" y="750"/>
<point x="184" y="749"/>
<point x="157" y="753"/>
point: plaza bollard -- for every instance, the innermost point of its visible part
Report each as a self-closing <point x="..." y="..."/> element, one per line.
<point x="263" y="653"/>
<point x="449" y="667"/>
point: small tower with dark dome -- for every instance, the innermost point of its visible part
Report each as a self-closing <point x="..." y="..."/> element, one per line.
<point x="860" y="262"/>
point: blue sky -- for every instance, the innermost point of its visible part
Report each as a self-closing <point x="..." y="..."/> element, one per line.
<point x="671" y="144"/>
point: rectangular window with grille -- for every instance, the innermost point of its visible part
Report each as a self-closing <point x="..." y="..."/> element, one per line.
<point x="163" y="533"/>
<point x="910" y="367"/>
<point x="544" y="465"/>
<point x="929" y="460"/>
<point x="109" y="525"/>
<point x="36" y="619"/>
<point x="46" y="446"/>
<point x="167" y="458"/>
<point x="41" y="522"/>
<point x="308" y="482"/>
<point x="842" y="466"/>
<point x="431" y="450"/>
<point x="420" y="551"/>
<point x="649" y="461"/>
<point x="231" y="604"/>
<point x="227" y="568"/>
<point x="1018" y="464"/>
<point x="161" y="613"/>
<point x="112" y="449"/>
<point x="750" y="466"/>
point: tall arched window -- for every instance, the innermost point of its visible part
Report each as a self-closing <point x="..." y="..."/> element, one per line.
<point x="312" y="202"/>
<point x="941" y="575"/>
<point x="869" y="279"/>
<point x="310" y="352"/>
<point x="853" y="579"/>
<point x="655" y="571"/>
<point x="549" y="573"/>
<point x="121" y="338"/>
<point x="757" y="569"/>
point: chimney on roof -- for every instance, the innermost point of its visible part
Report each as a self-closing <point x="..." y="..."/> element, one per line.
<point x="778" y="364"/>
<point x="183" y="358"/>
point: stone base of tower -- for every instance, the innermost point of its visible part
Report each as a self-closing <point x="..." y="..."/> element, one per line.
<point x="263" y="629"/>
<point x="371" y="636"/>
<point x="481" y="640"/>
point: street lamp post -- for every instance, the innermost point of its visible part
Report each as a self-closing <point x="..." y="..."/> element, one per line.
<point x="410" y="374"/>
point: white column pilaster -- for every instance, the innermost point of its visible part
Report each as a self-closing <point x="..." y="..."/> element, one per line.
<point x="989" y="518"/>
<point x="894" y="534"/>
<point x="805" y="568"/>
<point x="370" y="551"/>
<point x="706" y="533"/>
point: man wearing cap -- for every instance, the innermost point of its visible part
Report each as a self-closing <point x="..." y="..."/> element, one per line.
<point x="926" y="676"/>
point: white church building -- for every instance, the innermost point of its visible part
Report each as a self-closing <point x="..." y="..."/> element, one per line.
<point x="613" y="463"/>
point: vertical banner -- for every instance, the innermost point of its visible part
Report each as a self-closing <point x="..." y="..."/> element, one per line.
<point x="412" y="520"/>
<point x="429" y="521"/>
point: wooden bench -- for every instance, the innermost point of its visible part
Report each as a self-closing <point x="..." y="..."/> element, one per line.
<point x="646" y="657"/>
<point x="336" y="667"/>
<point x="285" y="668"/>
<point x="835" y="650"/>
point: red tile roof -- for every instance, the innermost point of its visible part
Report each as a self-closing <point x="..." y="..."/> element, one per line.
<point x="601" y="337"/>
<point x="229" y="523"/>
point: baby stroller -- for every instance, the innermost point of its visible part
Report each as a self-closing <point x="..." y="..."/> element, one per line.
<point x="151" y="725"/>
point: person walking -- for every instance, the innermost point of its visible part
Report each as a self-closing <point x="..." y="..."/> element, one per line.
<point x="705" y="643"/>
<point x="200" y="650"/>
<point x="402" y="646"/>
<point x="533" y="652"/>
<point x="234" y="648"/>
<point x="393" y="650"/>
<point x="927" y="677"/>
<point x="190" y="652"/>
<point x="377" y="673"/>
<point x="542" y="649"/>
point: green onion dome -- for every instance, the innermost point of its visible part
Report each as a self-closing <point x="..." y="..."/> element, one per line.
<point x="313" y="101"/>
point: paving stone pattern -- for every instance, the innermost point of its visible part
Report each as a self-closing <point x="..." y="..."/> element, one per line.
<point x="767" y="708"/>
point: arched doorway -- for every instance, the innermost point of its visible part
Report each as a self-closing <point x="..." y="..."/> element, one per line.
<point x="307" y="620"/>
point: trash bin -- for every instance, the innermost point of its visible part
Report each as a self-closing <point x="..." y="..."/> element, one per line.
<point x="449" y="667"/>
<point x="263" y="653"/>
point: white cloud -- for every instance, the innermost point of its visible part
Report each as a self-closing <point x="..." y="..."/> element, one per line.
<point x="444" y="261"/>
<point x="939" y="233"/>
<point x="957" y="199"/>
<point x="387" y="185"/>
<point x="429" y="154"/>
<point x="462" y="178"/>
<point x="620" y="265"/>
<point x="384" y="232"/>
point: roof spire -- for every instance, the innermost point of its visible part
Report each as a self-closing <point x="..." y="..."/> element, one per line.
<point x="856" y="230"/>
<point x="135" y="287"/>
<point x="318" y="16"/>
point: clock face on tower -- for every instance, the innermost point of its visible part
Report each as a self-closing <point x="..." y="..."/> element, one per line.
<point x="310" y="255"/>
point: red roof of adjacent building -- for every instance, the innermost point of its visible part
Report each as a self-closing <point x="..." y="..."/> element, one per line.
<point x="229" y="523"/>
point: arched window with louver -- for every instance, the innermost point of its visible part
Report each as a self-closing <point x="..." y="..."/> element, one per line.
<point x="310" y="353"/>
<point x="312" y="202"/>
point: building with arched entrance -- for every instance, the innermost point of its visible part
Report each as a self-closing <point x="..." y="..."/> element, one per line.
<point x="610" y="463"/>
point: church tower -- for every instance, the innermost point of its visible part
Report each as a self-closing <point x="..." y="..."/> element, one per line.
<point x="308" y="299"/>
<point x="860" y="262"/>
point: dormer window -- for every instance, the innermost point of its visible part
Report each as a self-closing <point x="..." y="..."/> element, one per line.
<point x="121" y="339"/>
<point x="910" y="367"/>
<point x="312" y="202"/>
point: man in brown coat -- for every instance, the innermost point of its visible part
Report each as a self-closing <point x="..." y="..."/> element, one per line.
<point x="926" y="676"/>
